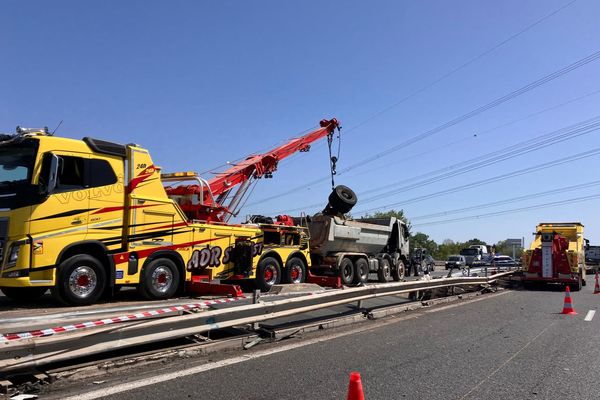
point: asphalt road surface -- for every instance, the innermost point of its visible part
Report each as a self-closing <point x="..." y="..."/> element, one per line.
<point x="509" y="345"/>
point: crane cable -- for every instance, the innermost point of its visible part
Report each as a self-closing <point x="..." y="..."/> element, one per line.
<point x="334" y="159"/>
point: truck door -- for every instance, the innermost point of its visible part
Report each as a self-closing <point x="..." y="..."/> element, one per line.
<point x="65" y="213"/>
<point x="105" y="182"/>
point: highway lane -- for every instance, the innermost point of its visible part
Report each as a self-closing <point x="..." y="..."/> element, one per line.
<point x="513" y="345"/>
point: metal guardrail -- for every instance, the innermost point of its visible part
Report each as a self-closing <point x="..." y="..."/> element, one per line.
<point x="38" y="351"/>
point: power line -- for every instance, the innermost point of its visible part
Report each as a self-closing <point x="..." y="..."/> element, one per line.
<point x="495" y="157"/>
<point x="486" y="131"/>
<point x="524" y="171"/>
<point x="508" y="201"/>
<point x="514" y="210"/>
<point x="521" y="148"/>
<point x="548" y="78"/>
<point x="460" y="67"/>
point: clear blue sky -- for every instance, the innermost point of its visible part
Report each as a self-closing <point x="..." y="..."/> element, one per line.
<point x="200" y="83"/>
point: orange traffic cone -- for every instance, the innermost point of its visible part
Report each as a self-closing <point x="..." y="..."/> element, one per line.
<point x="355" y="390"/>
<point x="597" y="287"/>
<point x="568" y="307"/>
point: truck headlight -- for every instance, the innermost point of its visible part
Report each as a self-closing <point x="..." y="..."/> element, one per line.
<point x="13" y="256"/>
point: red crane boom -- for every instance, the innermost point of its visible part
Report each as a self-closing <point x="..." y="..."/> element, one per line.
<point x="198" y="201"/>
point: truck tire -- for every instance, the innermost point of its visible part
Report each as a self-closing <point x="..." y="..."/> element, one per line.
<point x="384" y="272"/>
<point x="342" y="199"/>
<point x="268" y="273"/>
<point x="295" y="271"/>
<point x="24" y="294"/>
<point x="346" y="271"/>
<point x="398" y="272"/>
<point x="576" y="287"/>
<point x="80" y="281"/>
<point x="159" y="280"/>
<point x="361" y="271"/>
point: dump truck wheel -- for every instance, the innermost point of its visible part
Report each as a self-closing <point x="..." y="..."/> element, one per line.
<point x="361" y="271"/>
<point x="24" y="294"/>
<point x="80" y="281"/>
<point x="295" y="271"/>
<point x="160" y="279"/>
<point x="346" y="271"/>
<point x="384" y="272"/>
<point x="268" y="273"/>
<point x="342" y="199"/>
<point x="398" y="272"/>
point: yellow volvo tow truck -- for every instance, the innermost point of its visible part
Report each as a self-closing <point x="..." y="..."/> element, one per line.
<point x="83" y="217"/>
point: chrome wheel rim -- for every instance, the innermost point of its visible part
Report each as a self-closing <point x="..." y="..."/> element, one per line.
<point x="83" y="281"/>
<point x="270" y="275"/>
<point x="162" y="279"/>
<point x="296" y="274"/>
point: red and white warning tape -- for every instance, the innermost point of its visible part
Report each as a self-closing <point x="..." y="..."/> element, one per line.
<point x="108" y="321"/>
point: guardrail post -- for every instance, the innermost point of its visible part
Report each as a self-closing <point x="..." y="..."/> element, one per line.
<point x="255" y="299"/>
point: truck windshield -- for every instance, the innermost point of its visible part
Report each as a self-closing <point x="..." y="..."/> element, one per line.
<point x="469" y="252"/>
<point x="16" y="164"/>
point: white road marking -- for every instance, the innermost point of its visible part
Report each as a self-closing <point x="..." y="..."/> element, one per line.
<point x="590" y="315"/>
<point x="101" y="393"/>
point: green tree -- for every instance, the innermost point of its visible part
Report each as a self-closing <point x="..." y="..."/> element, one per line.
<point x="391" y="213"/>
<point x="421" y="240"/>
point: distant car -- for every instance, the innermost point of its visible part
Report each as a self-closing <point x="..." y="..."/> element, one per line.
<point x="496" y="261"/>
<point x="456" y="261"/>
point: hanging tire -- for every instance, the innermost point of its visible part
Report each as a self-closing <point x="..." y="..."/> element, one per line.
<point x="384" y="272"/>
<point x="160" y="279"/>
<point x="295" y="271"/>
<point x="398" y="272"/>
<point x="80" y="281"/>
<point x="342" y="199"/>
<point x="24" y="294"/>
<point x="346" y="271"/>
<point x="361" y="271"/>
<point x="268" y="273"/>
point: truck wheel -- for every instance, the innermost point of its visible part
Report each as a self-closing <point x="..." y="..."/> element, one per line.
<point x="576" y="287"/>
<point x="398" y="272"/>
<point x="268" y="273"/>
<point x="295" y="271"/>
<point x="384" y="273"/>
<point x="342" y="199"/>
<point x="24" y="294"/>
<point x="80" y="281"/>
<point x="361" y="271"/>
<point x="346" y="271"/>
<point x="159" y="280"/>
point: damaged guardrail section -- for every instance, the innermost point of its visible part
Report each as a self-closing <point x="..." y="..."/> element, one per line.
<point x="37" y="351"/>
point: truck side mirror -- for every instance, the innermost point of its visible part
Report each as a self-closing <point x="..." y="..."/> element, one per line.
<point x="50" y="175"/>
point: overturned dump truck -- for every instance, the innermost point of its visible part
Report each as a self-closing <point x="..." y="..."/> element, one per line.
<point x="352" y="249"/>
